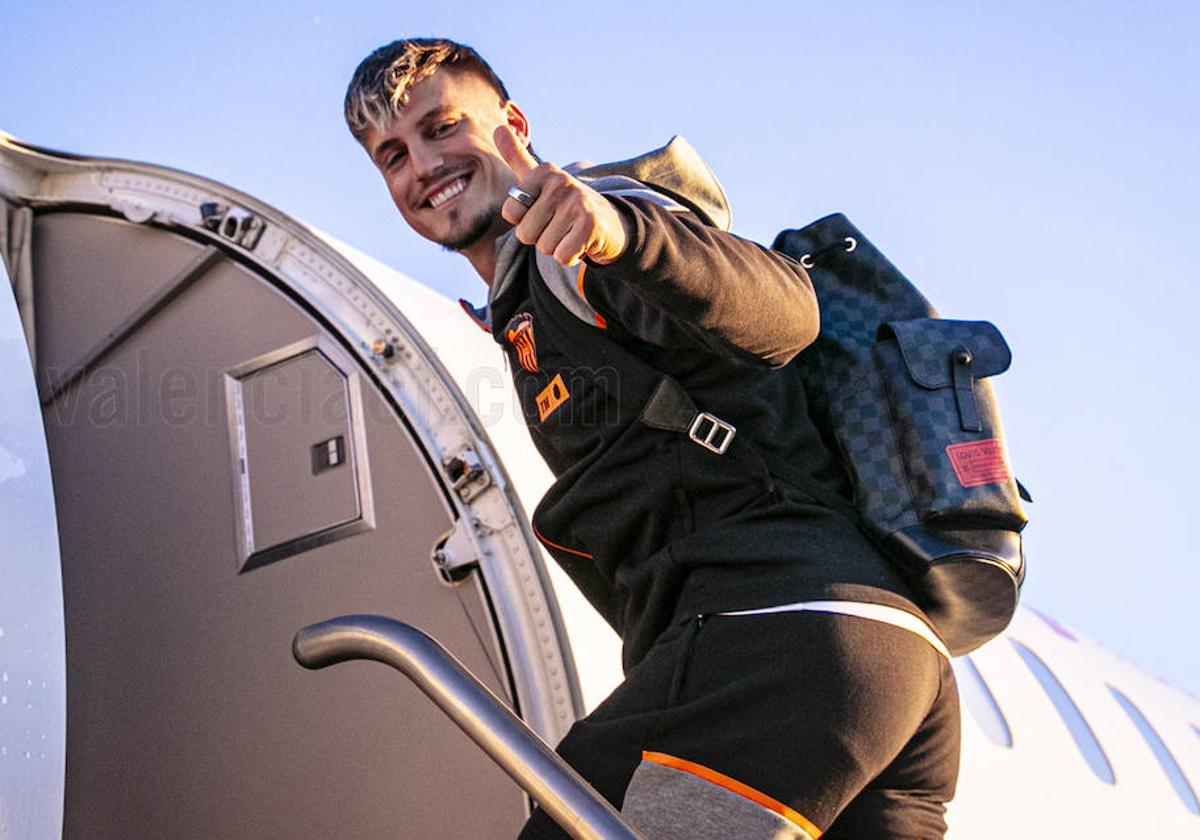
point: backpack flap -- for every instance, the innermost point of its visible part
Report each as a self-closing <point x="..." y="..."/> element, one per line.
<point x="966" y="540"/>
<point x="974" y="350"/>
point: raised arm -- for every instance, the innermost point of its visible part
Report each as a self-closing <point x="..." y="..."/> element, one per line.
<point x="680" y="280"/>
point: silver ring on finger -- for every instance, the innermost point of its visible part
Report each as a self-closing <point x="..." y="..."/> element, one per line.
<point x="521" y="197"/>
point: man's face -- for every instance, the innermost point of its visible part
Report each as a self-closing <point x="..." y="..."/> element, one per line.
<point x="440" y="162"/>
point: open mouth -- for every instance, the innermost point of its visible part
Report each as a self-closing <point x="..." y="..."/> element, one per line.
<point x="448" y="192"/>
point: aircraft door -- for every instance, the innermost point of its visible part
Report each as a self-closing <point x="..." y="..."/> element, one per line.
<point x="226" y="472"/>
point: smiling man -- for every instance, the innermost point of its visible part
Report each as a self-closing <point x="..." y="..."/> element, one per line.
<point x="440" y="163"/>
<point x="780" y="682"/>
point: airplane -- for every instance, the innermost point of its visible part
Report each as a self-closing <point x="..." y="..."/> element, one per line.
<point x="219" y="426"/>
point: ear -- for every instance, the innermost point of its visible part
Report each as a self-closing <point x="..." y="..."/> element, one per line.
<point x="515" y="118"/>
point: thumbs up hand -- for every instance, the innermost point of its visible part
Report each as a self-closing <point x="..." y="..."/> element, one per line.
<point x="567" y="220"/>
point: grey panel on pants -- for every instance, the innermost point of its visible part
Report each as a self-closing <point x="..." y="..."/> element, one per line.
<point x="668" y="804"/>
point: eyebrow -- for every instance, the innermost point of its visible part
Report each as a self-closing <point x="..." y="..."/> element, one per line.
<point x="434" y="114"/>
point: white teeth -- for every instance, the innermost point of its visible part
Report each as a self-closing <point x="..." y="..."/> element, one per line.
<point x="444" y="195"/>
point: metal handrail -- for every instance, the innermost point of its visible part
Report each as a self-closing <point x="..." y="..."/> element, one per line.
<point x="562" y="792"/>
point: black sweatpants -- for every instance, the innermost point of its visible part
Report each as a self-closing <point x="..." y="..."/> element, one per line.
<point x="793" y="724"/>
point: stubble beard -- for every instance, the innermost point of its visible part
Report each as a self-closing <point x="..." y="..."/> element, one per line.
<point x="488" y="223"/>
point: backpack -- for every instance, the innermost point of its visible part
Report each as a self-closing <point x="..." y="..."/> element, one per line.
<point x="904" y="397"/>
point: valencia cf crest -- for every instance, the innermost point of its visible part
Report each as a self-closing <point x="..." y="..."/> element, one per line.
<point x="519" y="334"/>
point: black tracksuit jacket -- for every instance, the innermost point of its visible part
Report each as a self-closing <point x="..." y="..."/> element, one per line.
<point x="649" y="524"/>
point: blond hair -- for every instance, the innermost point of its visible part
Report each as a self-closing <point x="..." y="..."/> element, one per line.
<point x="380" y="86"/>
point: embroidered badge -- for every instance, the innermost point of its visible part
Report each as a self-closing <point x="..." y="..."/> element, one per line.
<point x="551" y="397"/>
<point x="519" y="333"/>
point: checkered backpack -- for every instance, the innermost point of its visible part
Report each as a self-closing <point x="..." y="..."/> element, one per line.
<point x="905" y="398"/>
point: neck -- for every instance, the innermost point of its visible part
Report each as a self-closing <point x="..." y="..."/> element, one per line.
<point x="482" y="257"/>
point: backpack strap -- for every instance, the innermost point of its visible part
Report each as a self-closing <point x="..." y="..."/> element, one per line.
<point x="672" y="409"/>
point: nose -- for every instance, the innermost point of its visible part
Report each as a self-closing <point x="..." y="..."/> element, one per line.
<point x="425" y="160"/>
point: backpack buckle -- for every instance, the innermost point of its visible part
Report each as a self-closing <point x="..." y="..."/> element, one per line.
<point x="711" y="432"/>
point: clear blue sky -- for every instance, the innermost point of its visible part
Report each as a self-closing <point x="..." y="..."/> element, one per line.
<point x="1035" y="164"/>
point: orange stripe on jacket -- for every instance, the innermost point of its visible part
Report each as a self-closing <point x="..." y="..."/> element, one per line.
<point x="733" y="785"/>
<point x="600" y="322"/>
<point x="538" y="534"/>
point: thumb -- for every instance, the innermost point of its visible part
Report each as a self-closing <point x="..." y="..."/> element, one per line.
<point x="514" y="152"/>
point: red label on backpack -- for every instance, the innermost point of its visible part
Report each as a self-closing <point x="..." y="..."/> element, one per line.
<point x="980" y="462"/>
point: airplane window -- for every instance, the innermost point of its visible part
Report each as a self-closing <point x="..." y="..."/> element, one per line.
<point x="1165" y="759"/>
<point x="982" y="704"/>
<point x="1085" y="739"/>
